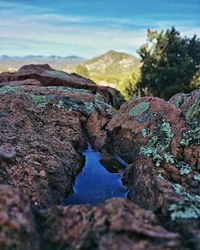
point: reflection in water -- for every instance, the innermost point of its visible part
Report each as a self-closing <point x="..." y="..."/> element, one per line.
<point x="95" y="184"/>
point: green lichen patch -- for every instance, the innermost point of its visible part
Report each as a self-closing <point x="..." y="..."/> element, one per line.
<point x="168" y="158"/>
<point x="39" y="100"/>
<point x="147" y="117"/>
<point x="183" y="167"/>
<point x="180" y="211"/>
<point x="158" y="145"/>
<point x="60" y="105"/>
<point x="187" y="208"/>
<point x="100" y="104"/>
<point x="8" y="89"/>
<point x="153" y="153"/>
<point x="139" y="109"/>
<point x="145" y="132"/>
<point x="195" y="108"/>
<point x="165" y="135"/>
<point x="69" y="90"/>
<point x="191" y="137"/>
<point x="196" y="177"/>
<point x="161" y="137"/>
<point x="179" y="100"/>
<point x="84" y="107"/>
<point x="159" y="141"/>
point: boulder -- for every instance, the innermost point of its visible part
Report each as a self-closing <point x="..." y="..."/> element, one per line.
<point x="17" y="225"/>
<point x="162" y="147"/>
<point x="128" y="129"/>
<point x="116" y="224"/>
<point x="44" y="75"/>
<point x="188" y="103"/>
<point x="39" y="149"/>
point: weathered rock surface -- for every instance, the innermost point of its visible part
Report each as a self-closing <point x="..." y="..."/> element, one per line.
<point x="188" y="103"/>
<point x="44" y="75"/>
<point x="46" y="118"/>
<point x="42" y="130"/>
<point x="117" y="224"/>
<point x="38" y="148"/>
<point x="162" y="144"/>
<point x="126" y="127"/>
<point x="17" y="226"/>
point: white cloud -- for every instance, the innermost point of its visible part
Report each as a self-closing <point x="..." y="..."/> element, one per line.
<point x="70" y="40"/>
<point x="38" y="32"/>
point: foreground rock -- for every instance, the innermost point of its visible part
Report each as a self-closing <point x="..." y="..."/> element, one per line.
<point x="188" y="103"/>
<point x="44" y="75"/>
<point x="46" y="119"/>
<point x="117" y="224"/>
<point x="43" y="132"/>
<point x="38" y="151"/>
<point x="162" y="144"/>
<point x="17" y="226"/>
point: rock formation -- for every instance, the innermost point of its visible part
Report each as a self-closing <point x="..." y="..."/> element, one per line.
<point x="46" y="120"/>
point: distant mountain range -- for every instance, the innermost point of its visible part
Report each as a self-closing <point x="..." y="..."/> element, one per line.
<point x="13" y="63"/>
<point x="110" y="63"/>
<point x="39" y="57"/>
<point x="112" y="68"/>
<point x="109" y="69"/>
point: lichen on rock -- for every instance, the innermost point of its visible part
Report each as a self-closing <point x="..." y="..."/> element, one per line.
<point x="158" y="145"/>
<point x="159" y="141"/>
<point x="193" y="109"/>
<point x="139" y="109"/>
<point x="39" y="100"/>
<point x="100" y="104"/>
<point x="196" y="177"/>
<point x="192" y="136"/>
<point x="7" y="89"/>
<point x="187" y="208"/>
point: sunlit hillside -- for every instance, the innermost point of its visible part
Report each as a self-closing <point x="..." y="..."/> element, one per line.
<point x="111" y="67"/>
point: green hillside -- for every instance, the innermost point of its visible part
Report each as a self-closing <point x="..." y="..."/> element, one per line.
<point x="112" y="63"/>
<point x="114" y="69"/>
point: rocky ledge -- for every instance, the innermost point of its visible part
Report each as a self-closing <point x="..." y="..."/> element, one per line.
<point x="46" y="120"/>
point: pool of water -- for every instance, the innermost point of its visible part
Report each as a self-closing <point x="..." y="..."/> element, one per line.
<point x="95" y="183"/>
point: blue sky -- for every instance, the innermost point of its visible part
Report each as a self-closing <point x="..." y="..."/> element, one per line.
<point x="89" y="28"/>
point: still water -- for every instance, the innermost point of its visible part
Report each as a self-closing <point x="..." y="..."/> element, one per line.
<point x="95" y="184"/>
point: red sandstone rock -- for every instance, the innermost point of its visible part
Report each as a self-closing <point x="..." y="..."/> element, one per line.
<point x="17" y="226"/>
<point x="95" y="129"/>
<point x="28" y="82"/>
<point x="34" y="141"/>
<point x="40" y="154"/>
<point x="7" y="153"/>
<point x="117" y="224"/>
<point x="188" y="103"/>
<point x="5" y="77"/>
<point x="44" y="75"/>
<point x="139" y="133"/>
<point x="48" y="77"/>
<point x="125" y="130"/>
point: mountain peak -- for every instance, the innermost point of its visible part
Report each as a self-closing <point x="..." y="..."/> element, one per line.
<point x="111" y="52"/>
<point x="112" y="62"/>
